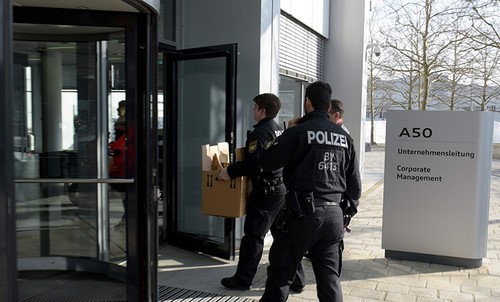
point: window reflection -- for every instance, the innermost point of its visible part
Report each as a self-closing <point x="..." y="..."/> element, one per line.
<point x="58" y="106"/>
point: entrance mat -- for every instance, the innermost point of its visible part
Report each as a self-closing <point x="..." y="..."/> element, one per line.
<point x="71" y="286"/>
<point x="172" y="294"/>
<point x="68" y="286"/>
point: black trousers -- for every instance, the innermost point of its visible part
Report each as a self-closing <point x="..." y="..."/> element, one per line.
<point x="262" y="210"/>
<point x="300" y="276"/>
<point x="322" y="235"/>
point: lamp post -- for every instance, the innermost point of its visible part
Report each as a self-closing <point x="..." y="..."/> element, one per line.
<point x="376" y="50"/>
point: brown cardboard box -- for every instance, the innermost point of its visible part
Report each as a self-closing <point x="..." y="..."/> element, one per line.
<point x="222" y="198"/>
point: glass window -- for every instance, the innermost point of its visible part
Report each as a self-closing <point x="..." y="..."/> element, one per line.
<point x="291" y="93"/>
<point x="166" y="32"/>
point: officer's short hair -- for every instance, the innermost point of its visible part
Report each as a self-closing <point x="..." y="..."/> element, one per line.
<point x="270" y="102"/>
<point x="337" y="106"/>
<point x="320" y="94"/>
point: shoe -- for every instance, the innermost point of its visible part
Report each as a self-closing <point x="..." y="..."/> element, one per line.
<point x="296" y="288"/>
<point x="233" y="283"/>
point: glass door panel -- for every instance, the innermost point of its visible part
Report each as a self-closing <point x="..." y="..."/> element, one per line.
<point x="199" y="109"/>
<point x="162" y="133"/>
<point x="66" y="108"/>
<point x="202" y="114"/>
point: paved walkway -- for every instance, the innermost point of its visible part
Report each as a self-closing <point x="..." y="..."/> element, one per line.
<point x="367" y="275"/>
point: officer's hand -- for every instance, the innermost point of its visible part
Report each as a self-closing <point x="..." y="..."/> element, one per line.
<point x="223" y="174"/>
<point x="347" y="221"/>
<point x="293" y="122"/>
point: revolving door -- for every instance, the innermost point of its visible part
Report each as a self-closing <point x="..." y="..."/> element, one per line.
<point x="82" y="103"/>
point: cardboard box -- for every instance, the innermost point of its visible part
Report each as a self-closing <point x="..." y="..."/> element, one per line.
<point x="218" y="197"/>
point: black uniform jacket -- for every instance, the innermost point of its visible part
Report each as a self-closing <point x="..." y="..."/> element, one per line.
<point x="317" y="156"/>
<point x="265" y="131"/>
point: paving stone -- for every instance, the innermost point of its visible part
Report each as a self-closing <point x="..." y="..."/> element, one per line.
<point x="368" y="276"/>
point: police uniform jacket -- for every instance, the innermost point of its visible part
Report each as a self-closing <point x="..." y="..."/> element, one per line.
<point x="265" y="131"/>
<point x="318" y="156"/>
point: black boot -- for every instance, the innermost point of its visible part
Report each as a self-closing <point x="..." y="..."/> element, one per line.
<point x="234" y="283"/>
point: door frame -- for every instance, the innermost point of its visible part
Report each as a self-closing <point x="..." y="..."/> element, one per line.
<point x="8" y="280"/>
<point x="170" y="156"/>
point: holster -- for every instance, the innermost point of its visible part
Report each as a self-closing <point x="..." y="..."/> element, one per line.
<point x="299" y="204"/>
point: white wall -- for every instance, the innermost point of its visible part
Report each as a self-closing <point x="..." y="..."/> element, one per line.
<point x="345" y="66"/>
<point x="269" y="50"/>
<point x="313" y="13"/>
<point x="250" y="24"/>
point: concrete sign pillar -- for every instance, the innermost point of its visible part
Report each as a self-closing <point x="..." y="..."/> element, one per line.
<point x="437" y="186"/>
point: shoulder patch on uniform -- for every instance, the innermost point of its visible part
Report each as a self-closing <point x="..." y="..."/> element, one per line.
<point x="270" y="143"/>
<point x="252" y="147"/>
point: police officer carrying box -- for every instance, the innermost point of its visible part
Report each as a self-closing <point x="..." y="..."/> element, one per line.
<point x="268" y="191"/>
<point x="320" y="168"/>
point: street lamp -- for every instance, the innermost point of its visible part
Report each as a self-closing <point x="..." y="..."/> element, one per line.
<point x="375" y="50"/>
<point x="375" y="47"/>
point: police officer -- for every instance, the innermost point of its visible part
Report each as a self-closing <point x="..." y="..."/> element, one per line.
<point x="268" y="191"/>
<point x="336" y="113"/>
<point x="320" y="166"/>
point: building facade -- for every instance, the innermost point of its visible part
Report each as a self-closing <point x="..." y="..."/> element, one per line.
<point x="94" y="188"/>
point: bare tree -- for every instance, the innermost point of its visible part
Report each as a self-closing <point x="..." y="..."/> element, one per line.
<point x="485" y="20"/>
<point x="487" y="71"/>
<point x="439" y="54"/>
<point x="449" y="90"/>
<point x="403" y="89"/>
<point x="484" y="16"/>
<point x="419" y="39"/>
